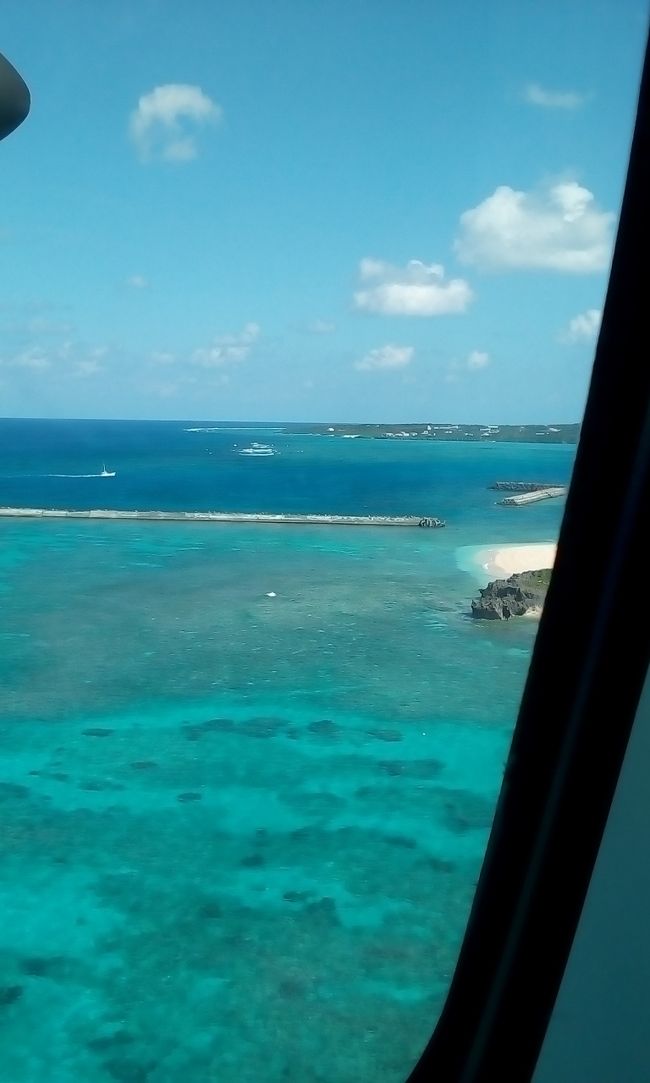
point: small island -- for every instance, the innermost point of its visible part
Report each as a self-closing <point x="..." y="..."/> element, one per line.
<point x="523" y="593"/>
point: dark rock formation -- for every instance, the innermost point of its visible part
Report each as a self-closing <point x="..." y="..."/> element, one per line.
<point x="253" y="861"/>
<point x="418" y="769"/>
<point x="9" y="994"/>
<point x="381" y="733"/>
<point x="505" y="598"/>
<point x="324" y="727"/>
<point x="9" y="790"/>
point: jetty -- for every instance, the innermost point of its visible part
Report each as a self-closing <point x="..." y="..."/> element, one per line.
<point x="430" y="522"/>
<point x="523" y="486"/>
<point x="533" y="496"/>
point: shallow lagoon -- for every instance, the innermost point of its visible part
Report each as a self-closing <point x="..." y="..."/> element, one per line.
<point x="241" y="833"/>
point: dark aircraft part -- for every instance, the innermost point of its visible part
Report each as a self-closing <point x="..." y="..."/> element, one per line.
<point x="14" y="98"/>
<point x="578" y="710"/>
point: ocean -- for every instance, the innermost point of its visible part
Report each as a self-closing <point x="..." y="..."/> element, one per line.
<point x="247" y="772"/>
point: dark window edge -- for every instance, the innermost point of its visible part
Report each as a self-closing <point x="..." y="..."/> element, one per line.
<point x="579" y="703"/>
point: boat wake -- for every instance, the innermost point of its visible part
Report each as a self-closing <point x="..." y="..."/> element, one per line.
<point x="107" y="474"/>
<point x="232" y="428"/>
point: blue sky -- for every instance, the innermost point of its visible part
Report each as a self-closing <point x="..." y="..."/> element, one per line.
<point x="364" y="211"/>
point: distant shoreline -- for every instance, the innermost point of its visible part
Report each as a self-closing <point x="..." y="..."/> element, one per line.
<point x="439" y="433"/>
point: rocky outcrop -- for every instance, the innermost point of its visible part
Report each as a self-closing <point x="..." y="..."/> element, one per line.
<point x="505" y="598"/>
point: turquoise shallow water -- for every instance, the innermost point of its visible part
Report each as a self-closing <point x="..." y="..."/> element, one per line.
<point x="240" y="832"/>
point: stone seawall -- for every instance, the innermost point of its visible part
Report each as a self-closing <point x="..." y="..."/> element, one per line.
<point x="223" y="517"/>
<point x="533" y="497"/>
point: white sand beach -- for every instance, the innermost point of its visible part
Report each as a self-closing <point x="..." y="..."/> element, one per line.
<point x="501" y="561"/>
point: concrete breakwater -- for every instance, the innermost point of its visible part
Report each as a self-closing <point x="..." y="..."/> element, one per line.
<point x="522" y="486"/>
<point x="223" y="517"/>
<point x="534" y="496"/>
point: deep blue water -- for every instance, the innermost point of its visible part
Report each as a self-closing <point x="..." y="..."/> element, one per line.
<point x="162" y="465"/>
<point x="247" y="773"/>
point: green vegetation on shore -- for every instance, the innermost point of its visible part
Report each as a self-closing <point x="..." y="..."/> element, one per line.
<point x="519" y="434"/>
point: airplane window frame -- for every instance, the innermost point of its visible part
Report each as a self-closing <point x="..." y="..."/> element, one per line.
<point x="579" y="702"/>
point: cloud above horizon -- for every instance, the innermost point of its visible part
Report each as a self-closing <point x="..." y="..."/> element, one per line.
<point x="535" y="94"/>
<point x="32" y="357"/>
<point x="137" y="282"/>
<point x="227" y="349"/>
<point x="477" y="359"/>
<point x="164" y="124"/>
<point x="418" y="289"/>
<point x="67" y="357"/>
<point x="89" y="367"/>
<point x="321" y="327"/>
<point x="558" y="227"/>
<point x="474" y="362"/>
<point x="385" y="357"/>
<point x="584" y="327"/>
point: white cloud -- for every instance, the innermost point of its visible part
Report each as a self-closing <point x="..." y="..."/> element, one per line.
<point x="321" y="327"/>
<point x="165" y="390"/>
<point x="163" y="124"/>
<point x="181" y="150"/>
<point x="386" y="357"/>
<point x="91" y="363"/>
<point x="31" y="358"/>
<point x="66" y="358"/>
<point x="90" y="367"/>
<point x="474" y="362"/>
<point x="557" y="228"/>
<point x="371" y="268"/>
<point x="43" y="327"/>
<point x="226" y="349"/>
<point x="583" y="327"/>
<point x="535" y="94"/>
<point x="137" y="282"/>
<point x="477" y="359"/>
<point x="419" y="289"/>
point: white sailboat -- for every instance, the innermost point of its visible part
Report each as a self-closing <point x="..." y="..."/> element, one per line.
<point x="107" y="473"/>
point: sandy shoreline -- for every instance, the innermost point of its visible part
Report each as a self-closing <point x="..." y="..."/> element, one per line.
<point x="501" y="561"/>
